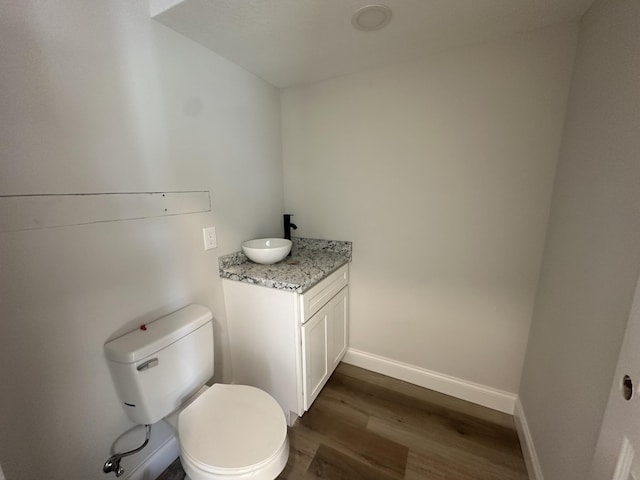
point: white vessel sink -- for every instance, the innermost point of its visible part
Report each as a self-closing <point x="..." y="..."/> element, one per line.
<point x="266" y="250"/>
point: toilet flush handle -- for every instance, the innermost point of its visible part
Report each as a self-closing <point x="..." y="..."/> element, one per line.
<point x="147" y="365"/>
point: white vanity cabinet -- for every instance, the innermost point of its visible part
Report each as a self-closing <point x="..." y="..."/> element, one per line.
<point x="288" y="343"/>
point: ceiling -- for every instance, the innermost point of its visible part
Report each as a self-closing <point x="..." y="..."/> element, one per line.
<point x="294" y="42"/>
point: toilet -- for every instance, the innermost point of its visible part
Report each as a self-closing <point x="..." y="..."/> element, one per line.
<point x="225" y="431"/>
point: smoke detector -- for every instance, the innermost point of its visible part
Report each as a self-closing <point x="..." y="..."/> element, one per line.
<point x="371" y="17"/>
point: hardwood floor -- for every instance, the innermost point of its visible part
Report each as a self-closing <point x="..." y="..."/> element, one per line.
<point x="367" y="426"/>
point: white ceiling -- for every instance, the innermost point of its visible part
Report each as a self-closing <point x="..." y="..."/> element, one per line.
<point x="293" y="42"/>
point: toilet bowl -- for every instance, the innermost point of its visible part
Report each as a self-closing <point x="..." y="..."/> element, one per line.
<point x="225" y="431"/>
<point x="232" y="432"/>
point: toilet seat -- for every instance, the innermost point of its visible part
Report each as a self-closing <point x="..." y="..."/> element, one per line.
<point x="233" y="431"/>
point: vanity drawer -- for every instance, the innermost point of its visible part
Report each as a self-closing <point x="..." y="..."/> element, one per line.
<point x="319" y="295"/>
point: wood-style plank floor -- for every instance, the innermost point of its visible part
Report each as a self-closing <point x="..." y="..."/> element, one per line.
<point x="365" y="426"/>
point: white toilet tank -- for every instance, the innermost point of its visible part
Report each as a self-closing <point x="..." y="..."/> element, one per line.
<point x="158" y="366"/>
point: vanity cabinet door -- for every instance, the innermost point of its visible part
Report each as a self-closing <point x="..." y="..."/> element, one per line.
<point x="338" y="330"/>
<point x="315" y="365"/>
<point x="324" y="343"/>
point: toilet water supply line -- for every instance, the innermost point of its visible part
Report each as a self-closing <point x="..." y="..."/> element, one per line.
<point x="113" y="464"/>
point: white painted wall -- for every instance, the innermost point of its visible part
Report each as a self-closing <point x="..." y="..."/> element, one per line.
<point x="592" y="253"/>
<point x="440" y="171"/>
<point x="96" y="97"/>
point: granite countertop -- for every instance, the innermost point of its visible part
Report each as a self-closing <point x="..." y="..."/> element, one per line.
<point x="311" y="260"/>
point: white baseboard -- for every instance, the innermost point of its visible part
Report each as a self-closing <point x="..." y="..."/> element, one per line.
<point x="157" y="462"/>
<point x="162" y="450"/>
<point x="526" y="443"/>
<point x="456" y="387"/>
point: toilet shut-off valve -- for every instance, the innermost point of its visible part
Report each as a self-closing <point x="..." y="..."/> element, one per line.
<point x="113" y="464"/>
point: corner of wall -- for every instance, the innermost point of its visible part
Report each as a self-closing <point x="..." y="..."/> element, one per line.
<point x="526" y="443"/>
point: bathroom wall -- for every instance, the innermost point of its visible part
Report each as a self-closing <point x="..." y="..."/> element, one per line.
<point x="592" y="254"/>
<point x="96" y="97"/>
<point x="441" y="172"/>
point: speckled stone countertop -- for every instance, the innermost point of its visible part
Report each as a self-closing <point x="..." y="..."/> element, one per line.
<point x="311" y="260"/>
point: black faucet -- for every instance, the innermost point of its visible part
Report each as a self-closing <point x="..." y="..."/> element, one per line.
<point x="288" y="226"/>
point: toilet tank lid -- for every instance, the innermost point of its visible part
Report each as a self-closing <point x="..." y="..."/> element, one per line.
<point x="154" y="336"/>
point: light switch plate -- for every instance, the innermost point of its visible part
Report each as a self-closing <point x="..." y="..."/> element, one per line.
<point x="210" y="240"/>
